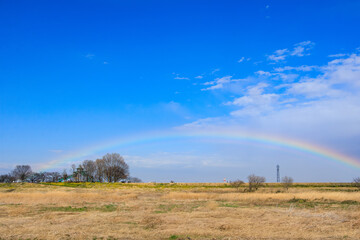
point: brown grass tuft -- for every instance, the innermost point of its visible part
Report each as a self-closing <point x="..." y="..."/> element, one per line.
<point x="151" y="221"/>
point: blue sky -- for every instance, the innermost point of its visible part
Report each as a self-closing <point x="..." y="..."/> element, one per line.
<point x="75" y="74"/>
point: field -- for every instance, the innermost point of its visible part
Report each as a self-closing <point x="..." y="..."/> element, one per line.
<point x="178" y="211"/>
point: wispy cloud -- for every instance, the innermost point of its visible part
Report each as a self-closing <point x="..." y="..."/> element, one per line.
<point x="178" y="77"/>
<point x="199" y="77"/>
<point x="243" y="59"/>
<point x="181" y="78"/>
<point x="89" y="56"/>
<point x="300" y="49"/>
<point x="323" y="109"/>
<point x="255" y="101"/>
<point x="279" y="55"/>
<point x="219" y="83"/>
<point x="215" y="70"/>
<point x="263" y="73"/>
<point x="303" y="68"/>
<point x="338" y="55"/>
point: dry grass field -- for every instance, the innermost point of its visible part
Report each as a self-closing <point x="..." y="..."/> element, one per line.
<point x="178" y="211"/>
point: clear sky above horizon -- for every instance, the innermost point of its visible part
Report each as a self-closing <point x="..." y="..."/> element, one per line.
<point x="76" y="74"/>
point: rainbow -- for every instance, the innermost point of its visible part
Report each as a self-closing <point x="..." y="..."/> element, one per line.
<point x="282" y="142"/>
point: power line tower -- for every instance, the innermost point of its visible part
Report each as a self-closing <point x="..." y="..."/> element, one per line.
<point x="277" y="173"/>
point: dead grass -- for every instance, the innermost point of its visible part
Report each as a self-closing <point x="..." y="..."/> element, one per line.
<point x="263" y="197"/>
<point x="63" y="212"/>
<point x="59" y="197"/>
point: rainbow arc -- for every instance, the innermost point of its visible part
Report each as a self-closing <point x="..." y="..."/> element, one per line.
<point x="282" y="142"/>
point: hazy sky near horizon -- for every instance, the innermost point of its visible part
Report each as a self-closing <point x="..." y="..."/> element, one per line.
<point x="76" y="74"/>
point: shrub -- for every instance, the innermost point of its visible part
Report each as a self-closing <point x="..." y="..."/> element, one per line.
<point x="287" y="182"/>
<point x="356" y="182"/>
<point x="255" y="182"/>
<point x="236" y="184"/>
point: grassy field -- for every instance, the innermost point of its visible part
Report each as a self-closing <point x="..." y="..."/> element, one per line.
<point x="178" y="211"/>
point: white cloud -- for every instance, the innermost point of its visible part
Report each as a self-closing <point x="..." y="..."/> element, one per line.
<point x="344" y="71"/>
<point x="338" y="55"/>
<point x="300" y="49"/>
<point x="199" y="77"/>
<point x="174" y="108"/>
<point x="263" y="73"/>
<point x="320" y="108"/>
<point x="255" y="102"/>
<point x="241" y="59"/>
<point x="181" y="78"/>
<point x="90" y="56"/>
<point x="277" y="75"/>
<point x="219" y="83"/>
<point x="303" y="68"/>
<point x="312" y="88"/>
<point x="288" y="77"/>
<point x="328" y="121"/>
<point x="278" y="55"/>
<point x="215" y="70"/>
<point x="340" y="77"/>
<point x="198" y="124"/>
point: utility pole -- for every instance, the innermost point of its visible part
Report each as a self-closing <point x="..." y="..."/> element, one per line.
<point x="277" y="173"/>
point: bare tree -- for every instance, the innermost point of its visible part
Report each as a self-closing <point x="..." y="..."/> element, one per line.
<point x="287" y="182"/>
<point x="356" y="182"/>
<point x="90" y="170"/>
<point x="55" y="176"/>
<point x="73" y="168"/>
<point x="100" y="170"/>
<point x="22" y="172"/>
<point x="110" y="168"/>
<point x="51" y="176"/>
<point x="79" y="174"/>
<point x="42" y="176"/>
<point x="237" y="184"/>
<point x="115" y="167"/>
<point x="64" y="175"/>
<point x="35" y="178"/>
<point x="255" y="182"/>
<point x="7" y="178"/>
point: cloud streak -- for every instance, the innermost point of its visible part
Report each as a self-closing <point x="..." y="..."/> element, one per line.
<point x="219" y="83"/>
<point x="300" y="49"/>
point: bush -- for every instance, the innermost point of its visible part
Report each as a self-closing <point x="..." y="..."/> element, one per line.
<point x="255" y="182"/>
<point x="356" y="182"/>
<point x="236" y="184"/>
<point x="287" y="182"/>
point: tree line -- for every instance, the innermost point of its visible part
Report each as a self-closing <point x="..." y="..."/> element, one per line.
<point x="110" y="168"/>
